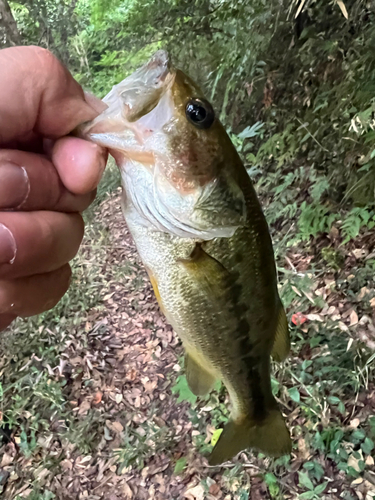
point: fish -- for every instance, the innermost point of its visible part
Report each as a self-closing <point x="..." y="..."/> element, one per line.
<point x="200" y="232"/>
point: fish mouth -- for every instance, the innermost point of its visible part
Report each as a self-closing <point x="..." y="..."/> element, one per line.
<point x="136" y="107"/>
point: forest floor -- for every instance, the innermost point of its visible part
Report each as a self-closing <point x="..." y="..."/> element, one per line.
<point x="94" y="402"/>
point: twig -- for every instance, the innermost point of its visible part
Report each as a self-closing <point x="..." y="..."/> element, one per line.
<point x="312" y="135"/>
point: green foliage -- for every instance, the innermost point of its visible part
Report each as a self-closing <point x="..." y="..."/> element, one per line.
<point x="180" y="465"/>
<point x="356" y="219"/>
<point x="314" y="219"/>
<point x="182" y="389"/>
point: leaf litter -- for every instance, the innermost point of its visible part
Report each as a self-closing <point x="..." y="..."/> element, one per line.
<point x="125" y="427"/>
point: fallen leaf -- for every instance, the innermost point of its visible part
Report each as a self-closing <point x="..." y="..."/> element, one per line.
<point x="363" y="292"/>
<point x="356" y="482"/>
<point x="314" y="317"/>
<point x="97" y="398"/>
<point x="341" y="4"/>
<point x="354" y="423"/>
<point x="353" y="462"/>
<point x="114" y="426"/>
<point x="360" y="253"/>
<point x="84" y="407"/>
<point x="6" y="460"/>
<point x="196" y="493"/>
<point x="303" y="449"/>
<point x="353" y="318"/>
<point x="214" y="489"/>
<point x="126" y="491"/>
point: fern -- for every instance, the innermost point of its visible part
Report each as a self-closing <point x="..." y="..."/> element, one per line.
<point x="356" y="219"/>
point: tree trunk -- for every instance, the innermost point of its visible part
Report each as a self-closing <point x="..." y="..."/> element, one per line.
<point x="8" y="23"/>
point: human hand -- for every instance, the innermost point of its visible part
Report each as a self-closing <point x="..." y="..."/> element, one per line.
<point x="46" y="179"/>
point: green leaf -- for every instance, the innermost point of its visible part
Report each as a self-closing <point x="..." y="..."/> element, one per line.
<point x="333" y="400"/>
<point x="294" y="394"/>
<point x="320" y="488"/>
<point x="180" y="465"/>
<point x="357" y="436"/>
<point x="251" y="131"/>
<point x="307" y="495"/>
<point x="215" y="436"/>
<point x="270" y="478"/>
<point x="184" y="393"/>
<point x="305" y="481"/>
<point x="308" y="465"/>
<point x="367" y="446"/>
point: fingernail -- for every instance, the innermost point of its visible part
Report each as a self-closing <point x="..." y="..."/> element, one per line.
<point x="8" y="248"/>
<point x="14" y="185"/>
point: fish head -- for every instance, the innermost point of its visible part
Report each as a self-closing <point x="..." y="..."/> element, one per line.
<point x="170" y="147"/>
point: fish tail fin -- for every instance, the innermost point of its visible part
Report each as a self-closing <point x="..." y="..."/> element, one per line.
<point x="270" y="437"/>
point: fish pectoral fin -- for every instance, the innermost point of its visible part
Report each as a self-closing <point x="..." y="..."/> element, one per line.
<point x="208" y="273"/>
<point x="270" y="437"/>
<point x="200" y="380"/>
<point x="281" y="345"/>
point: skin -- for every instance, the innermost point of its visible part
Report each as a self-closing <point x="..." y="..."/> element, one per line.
<point x="46" y="179"/>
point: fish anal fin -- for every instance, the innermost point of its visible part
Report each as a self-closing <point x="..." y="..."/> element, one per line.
<point x="281" y="345"/>
<point x="271" y="437"/>
<point x="200" y="380"/>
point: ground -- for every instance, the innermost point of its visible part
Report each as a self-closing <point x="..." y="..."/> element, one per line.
<point x="94" y="403"/>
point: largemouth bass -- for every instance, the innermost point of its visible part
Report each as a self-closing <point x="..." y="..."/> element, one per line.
<point x="201" y="234"/>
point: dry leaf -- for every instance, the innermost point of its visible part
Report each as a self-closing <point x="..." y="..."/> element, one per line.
<point x="114" y="426"/>
<point x="356" y="482"/>
<point x="6" y="460"/>
<point x="97" y="398"/>
<point x="84" y="407"/>
<point x="353" y="318"/>
<point x="314" y="317"/>
<point x="196" y="493"/>
<point x="214" y="489"/>
<point x="302" y="449"/>
<point x="126" y="491"/>
<point x="353" y="462"/>
<point x="341" y="4"/>
<point x="354" y="423"/>
<point x="360" y="253"/>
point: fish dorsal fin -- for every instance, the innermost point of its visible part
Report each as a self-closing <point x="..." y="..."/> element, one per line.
<point x="200" y="380"/>
<point x="281" y="345"/>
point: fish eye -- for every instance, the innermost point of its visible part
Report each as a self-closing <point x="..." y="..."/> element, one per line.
<point x="200" y="113"/>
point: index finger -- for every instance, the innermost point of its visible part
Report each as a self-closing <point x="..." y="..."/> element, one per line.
<point x="38" y="95"/>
